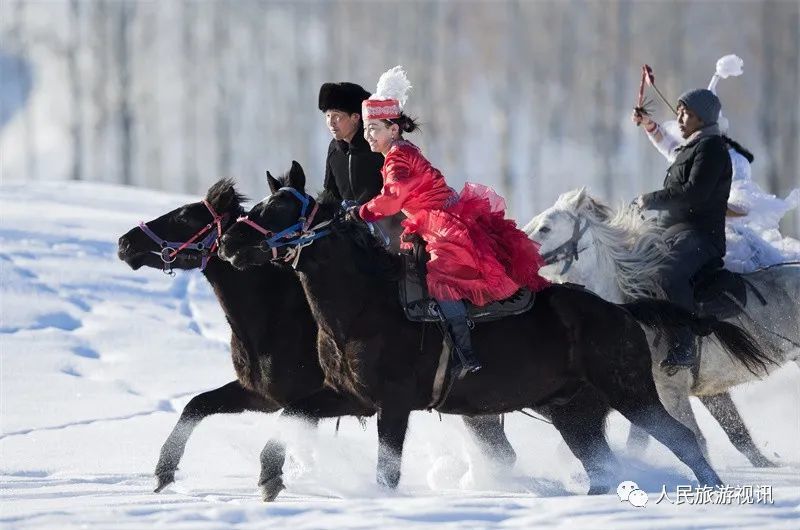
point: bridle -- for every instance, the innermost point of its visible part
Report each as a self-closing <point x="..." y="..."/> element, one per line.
<point x="568" y="251"/>
<point x="205" y="246"/>
<point x="294" y="238"/>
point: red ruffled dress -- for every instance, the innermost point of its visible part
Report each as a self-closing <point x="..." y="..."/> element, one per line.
<point x="476" y="253"/>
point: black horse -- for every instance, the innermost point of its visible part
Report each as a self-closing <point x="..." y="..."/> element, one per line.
<point x="273" y="340"/>
<point x="573" y="355"/>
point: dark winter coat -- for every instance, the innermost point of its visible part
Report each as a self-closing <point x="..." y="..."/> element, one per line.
<point x="696" y="188"/>
<point x="352" y="170"/>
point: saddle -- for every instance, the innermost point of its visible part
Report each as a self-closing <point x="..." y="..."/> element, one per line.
<point x="420" y="307"/>
<point x="721" y="293"/>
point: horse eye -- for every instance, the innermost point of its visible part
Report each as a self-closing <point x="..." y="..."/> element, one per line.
<point x="544" y="229"/>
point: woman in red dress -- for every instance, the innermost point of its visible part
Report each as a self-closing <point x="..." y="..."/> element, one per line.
<point x="476" y="254"/>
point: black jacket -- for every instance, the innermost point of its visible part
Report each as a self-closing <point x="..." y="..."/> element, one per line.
<point x="695" y="194"/>
<point x="352" y="170"/>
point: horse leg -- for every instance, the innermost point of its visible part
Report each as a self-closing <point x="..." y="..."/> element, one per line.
<point x="392" y="425"/>
<point x="488" y="433"/>
<point x="638" y="440"/>
<point x="645" y="410"/>
<point x="581" y="423"/>
<point x="273" y="456"/>
<point x="723" y="409"/>
<point x="323" y="404"/>
<point x="674" y="395"/>
<point x="228" y="399"/>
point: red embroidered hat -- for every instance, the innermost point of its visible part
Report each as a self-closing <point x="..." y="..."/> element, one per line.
<point x="380" y="109"/>
<point x="389" y="98"/>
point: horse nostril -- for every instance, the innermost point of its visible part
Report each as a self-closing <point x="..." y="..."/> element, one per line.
<point x="124" y="247"/>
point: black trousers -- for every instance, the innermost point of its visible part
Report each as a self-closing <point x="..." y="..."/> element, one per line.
<point x="689" y="251"/>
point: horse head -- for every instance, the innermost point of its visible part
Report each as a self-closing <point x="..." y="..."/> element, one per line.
<point x="278" y="227"/>
<point x="563" y="230"/>
<point x="624" y="248"/>
<point x="186" y="237"/>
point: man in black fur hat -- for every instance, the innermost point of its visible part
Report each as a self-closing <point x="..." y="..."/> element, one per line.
<point x="352" y="170"/>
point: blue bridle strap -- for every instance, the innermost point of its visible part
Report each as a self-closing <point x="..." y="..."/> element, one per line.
<point x="300" y="229"/>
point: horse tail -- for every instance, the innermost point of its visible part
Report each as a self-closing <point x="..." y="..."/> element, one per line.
<point x="661" y="314"/>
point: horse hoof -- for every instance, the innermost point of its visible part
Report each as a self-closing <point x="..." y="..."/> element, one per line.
<point x="761" y="461"/>
<point x="164" y="480"/>
<point x="389" y="479"/>
<point x="271" y="488"/>
<point x="598" y="490"/>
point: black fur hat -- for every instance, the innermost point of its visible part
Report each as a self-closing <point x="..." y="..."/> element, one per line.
<point x="344" y="96"/>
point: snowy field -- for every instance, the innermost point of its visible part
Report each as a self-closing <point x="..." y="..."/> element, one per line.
<point x="98" y="361"/>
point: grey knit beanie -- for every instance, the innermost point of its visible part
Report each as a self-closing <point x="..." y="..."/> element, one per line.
<point x="704" y="103"/>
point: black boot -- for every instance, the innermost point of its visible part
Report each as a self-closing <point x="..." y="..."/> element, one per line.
<point x="467" y="363"/>
<point x="457" y="324"/>
<point x="682" y="354"/>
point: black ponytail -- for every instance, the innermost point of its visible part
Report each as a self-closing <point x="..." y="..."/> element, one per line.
<point x="739" y="149"/>
<point x="405" y="122"/>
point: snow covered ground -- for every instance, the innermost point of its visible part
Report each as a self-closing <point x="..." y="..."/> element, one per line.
<point x="98" y="360"/>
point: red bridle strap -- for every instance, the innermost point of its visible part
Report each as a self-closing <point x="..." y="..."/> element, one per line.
<point x="217" y="220"/>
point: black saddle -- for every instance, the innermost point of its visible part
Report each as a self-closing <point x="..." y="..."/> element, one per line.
<point x="721" y="293"/>
<point x="420" y="307"/>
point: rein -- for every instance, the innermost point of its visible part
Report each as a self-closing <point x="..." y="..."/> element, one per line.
<point x="295" y="237"/>
<point x="374" y="228"/>
<point x="207" y="246"/>
<point x="568" y="251"/>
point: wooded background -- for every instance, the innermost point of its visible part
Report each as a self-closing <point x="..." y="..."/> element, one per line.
<point x="532" y="97"/>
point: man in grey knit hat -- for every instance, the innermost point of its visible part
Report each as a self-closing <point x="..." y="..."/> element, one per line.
<point x="692" y="207"/>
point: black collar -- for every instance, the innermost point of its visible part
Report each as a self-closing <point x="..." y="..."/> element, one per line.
<point x="356" y="145"/>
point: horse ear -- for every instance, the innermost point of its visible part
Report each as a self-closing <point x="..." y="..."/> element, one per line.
<point x="273" y="183"/>
<point x="297" y="177"/>
<point x="581" y="196"/>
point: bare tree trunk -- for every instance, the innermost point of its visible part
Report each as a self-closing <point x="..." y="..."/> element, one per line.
<point x="600" y="127"/>
<point x="769" y="84"/>
<point x="791" y="141"/>
<point x="124" y="21"/>
<point x="507" y="97"/>
<point x="74" y="47"/>
<point x="18" y="36"/>
<point x="222" y="108"/>
<point x="99" y="165"/>
<point x="620" y="83"/>
<point x="189" y="99"/>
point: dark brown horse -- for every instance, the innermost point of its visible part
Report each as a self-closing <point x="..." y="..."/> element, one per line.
<point x="273" y="339"/>
<point x="573" y="355"/>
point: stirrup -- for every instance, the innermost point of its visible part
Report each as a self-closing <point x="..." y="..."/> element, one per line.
<point x="460" y="370"/>
<point x="462" y="366"/>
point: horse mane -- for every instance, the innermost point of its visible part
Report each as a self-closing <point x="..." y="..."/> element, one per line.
<point x="224" y="192"/>
<point x="371" y="257"/>
<point x="328" y="199"/>
<point x="626" y="243"/>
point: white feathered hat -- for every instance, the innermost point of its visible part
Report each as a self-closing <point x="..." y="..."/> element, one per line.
<point x="728" y="66"/>
<point x="389" y="98"/>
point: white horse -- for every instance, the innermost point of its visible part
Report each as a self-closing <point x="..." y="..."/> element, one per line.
<point x="615" y="255"/>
